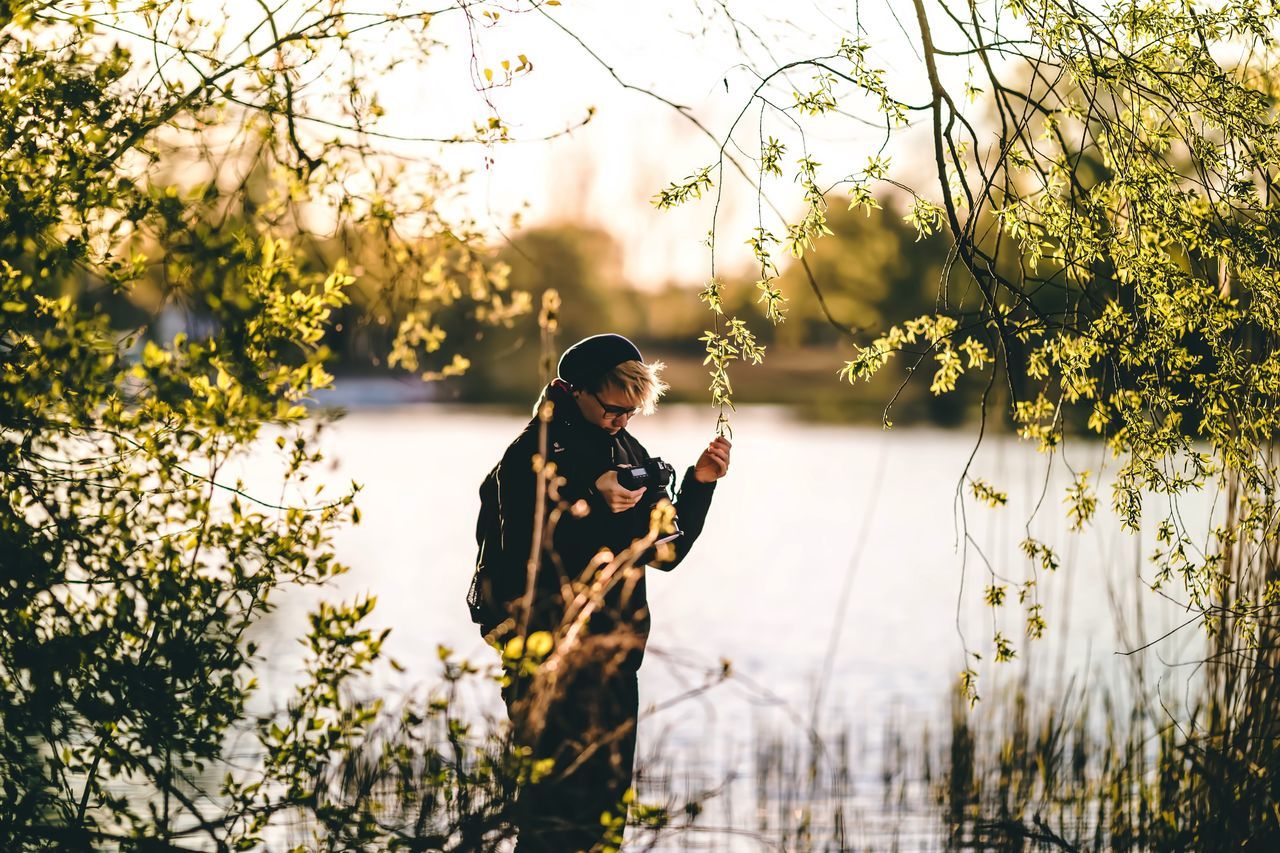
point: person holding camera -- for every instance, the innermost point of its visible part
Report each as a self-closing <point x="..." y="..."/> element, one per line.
<point x="604" y="489"/>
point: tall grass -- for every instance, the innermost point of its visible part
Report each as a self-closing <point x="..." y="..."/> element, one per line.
<point x="1107" y="769"/>
<point x="1085" y="767"/>
<point x="1089" y="765"/>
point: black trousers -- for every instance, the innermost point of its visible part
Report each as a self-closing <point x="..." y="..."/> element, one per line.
<point x="589" y="733"/>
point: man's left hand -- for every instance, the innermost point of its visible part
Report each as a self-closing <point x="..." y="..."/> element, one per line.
<point x="714" y="461"/>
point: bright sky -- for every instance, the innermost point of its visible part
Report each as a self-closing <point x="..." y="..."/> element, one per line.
<point x="606" y="172"/>
<point x="688" y="52"/>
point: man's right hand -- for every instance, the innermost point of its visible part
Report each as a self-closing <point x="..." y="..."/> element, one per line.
<point x="619" y="498"/>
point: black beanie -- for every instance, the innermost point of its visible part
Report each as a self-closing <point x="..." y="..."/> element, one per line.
<point x="586" y="362"/>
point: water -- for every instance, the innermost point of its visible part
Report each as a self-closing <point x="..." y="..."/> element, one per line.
<point x="829" y="549"/>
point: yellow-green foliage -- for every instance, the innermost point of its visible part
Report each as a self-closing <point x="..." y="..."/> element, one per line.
<point x="133" y="561"/>
<point x="1107" y="177"/>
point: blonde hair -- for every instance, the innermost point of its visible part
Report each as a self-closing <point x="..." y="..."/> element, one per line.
<point x="638" y="381"/>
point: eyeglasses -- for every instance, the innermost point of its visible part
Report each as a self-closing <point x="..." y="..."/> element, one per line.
<point x="613" y="411"/>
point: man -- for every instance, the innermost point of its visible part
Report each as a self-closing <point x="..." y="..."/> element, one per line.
<point x="589" y="589"/>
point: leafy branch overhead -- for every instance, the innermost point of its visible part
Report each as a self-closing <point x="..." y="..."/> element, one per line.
<point x="1106" y="175"/>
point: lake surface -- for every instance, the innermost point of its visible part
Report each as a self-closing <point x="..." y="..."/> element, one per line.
<point x="829" y="549"/>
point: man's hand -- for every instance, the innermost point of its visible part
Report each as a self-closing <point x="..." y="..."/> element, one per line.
<point x="714" y="461"/>
<point x="619" y="498"/>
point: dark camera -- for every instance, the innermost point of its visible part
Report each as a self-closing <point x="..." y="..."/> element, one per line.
<point x="656" y="477"/>
<point x="653" y="475"/>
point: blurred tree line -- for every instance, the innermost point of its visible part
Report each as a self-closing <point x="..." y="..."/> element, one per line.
<point x="480" y="342"/>
<point x="870" y="270"/>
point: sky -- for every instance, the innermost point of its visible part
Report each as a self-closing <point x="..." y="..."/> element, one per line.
<point x="664" y="82"/>
<point x="606" y="172"/>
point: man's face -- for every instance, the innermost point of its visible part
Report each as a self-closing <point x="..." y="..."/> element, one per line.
<point x="609" y="408"/>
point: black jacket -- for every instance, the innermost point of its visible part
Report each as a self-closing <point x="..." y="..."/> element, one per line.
<point x="581" y="452"/>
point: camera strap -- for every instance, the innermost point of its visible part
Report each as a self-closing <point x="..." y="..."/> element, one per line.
<point x="623" y="456"/>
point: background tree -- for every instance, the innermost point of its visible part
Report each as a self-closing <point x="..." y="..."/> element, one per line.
<point x="172" y="179"/>
<point x="1106" y="177"/>
<point x="1106" y="174"/>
